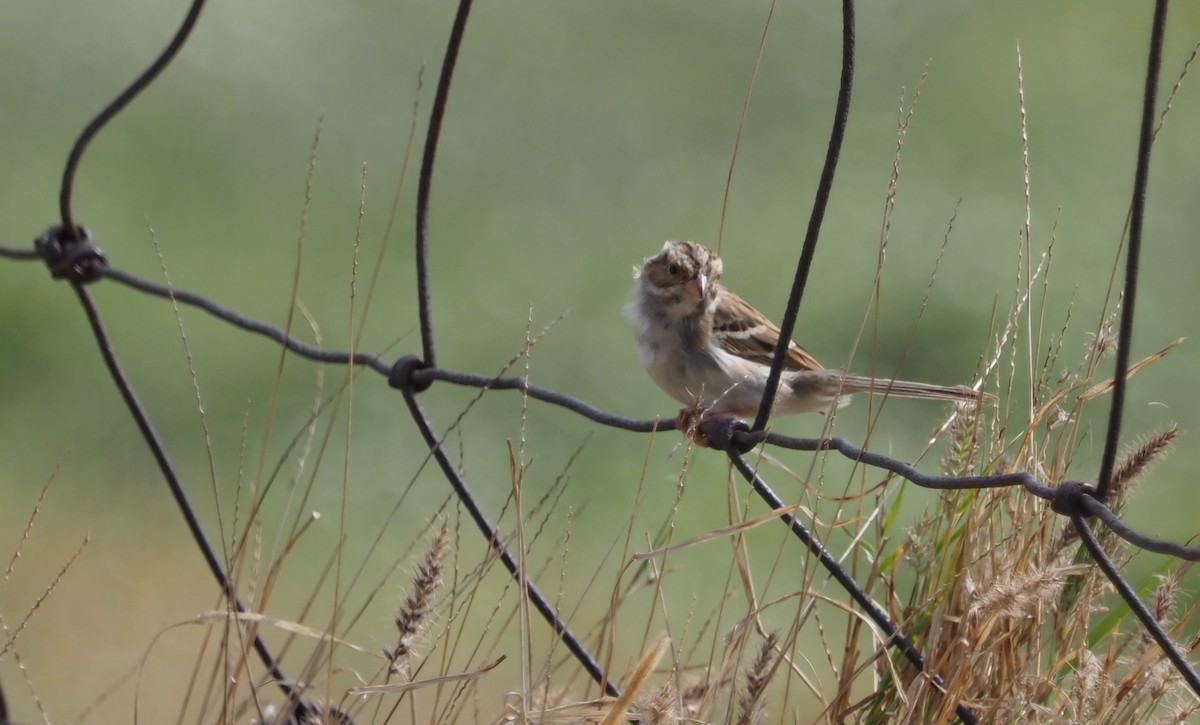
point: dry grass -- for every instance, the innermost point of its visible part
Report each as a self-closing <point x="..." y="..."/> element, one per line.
<point x="1000" y="600"/>
<point x="998" y="596"/>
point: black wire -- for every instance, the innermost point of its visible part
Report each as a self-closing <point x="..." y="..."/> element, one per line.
<point x="374" y="362"/>
<point x="115" y="107"/>
<point x="493" y="538"/>
<point x="909" y="472"/>
<point x="245" y="323"/>
<point x="841" y="116"/>
<point x="424" y="376"/>
<point x="1135" y="603"/>
<point x="1079" y="499"/>
<point x="547" y="396"/>
<point x="1120" y="528"/>
<point x="1141" y="177"/>
<point x="895" y="637"/>
<point x="425" y="182"/>
<point x="19" y="253"/>
<point x="158" y="450"/>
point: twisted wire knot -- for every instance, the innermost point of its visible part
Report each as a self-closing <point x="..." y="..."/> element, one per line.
<point x="1068" y="498"/>
<point x="404" y="375"/>
<point x="723" y="433"/>
<point x="71" y="254"/>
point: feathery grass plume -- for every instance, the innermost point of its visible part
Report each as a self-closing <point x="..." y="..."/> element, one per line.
<point x="919" y="551"/>
<point x="1128" y="470"/>
<point x="1180" y="713"/>
<point x="1159" y="679"/>
<point x="1091" y="684"/>
<point x="660" y="707"/>
<point x="1105" y="340"/>
<point x="412" y="615"/>
<point x="1017" y="596"/>
<point x="1138" y="461"/>
<point x="750" y="704"/>
<point x="959" y="459"/>
<point x="1166" y="599"/>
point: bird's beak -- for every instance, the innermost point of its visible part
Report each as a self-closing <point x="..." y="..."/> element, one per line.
<point x="697" y="286"/>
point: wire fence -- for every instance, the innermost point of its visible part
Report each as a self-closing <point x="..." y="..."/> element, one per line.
<point x="72" y="255"/>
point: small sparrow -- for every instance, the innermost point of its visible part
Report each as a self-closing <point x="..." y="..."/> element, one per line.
<point x="710" y="350"/>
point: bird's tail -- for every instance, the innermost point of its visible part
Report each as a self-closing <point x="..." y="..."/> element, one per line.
<point x="905" y="389"/>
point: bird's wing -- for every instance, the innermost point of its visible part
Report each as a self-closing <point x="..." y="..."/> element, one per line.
<point x="743" y="331"/>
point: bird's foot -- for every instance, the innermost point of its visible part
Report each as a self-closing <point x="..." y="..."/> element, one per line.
<point x="688" y="423"/>
<point x="709" y="429"/>
<point x="722" y="431"/>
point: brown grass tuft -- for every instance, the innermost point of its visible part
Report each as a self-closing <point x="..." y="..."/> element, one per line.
<point x="413" y="613"/>
<point x="750" y="704"/>
<point x="964" y="440"/>
<point x="1019" y="596"/>
<point x="1138" y="461"/>
<point x="660" y="707"/>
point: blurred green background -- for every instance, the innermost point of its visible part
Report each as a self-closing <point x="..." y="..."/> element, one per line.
<point x="578" y="138"/>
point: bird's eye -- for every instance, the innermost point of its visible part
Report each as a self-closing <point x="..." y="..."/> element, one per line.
<point x="672" y="269"/>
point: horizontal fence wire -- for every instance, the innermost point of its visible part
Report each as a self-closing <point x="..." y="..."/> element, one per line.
<point x="70" y="253"/>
